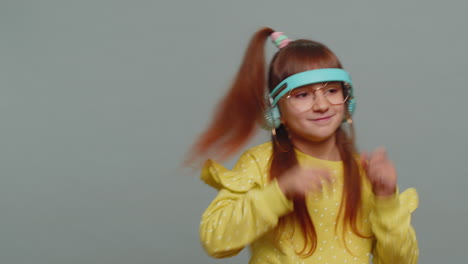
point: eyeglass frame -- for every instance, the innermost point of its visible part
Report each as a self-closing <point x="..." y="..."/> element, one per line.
<point x="311" y="77"/>
<point x="345" y="90"/>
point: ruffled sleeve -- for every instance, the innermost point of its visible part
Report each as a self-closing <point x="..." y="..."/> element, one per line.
<point x="243" y="177"/>
<point x="391" y="224"/>
<point x="246" y="207"/>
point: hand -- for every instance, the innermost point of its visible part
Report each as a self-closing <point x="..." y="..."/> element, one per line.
<point x="297" y="182"/>
<point x="380" y="171"/>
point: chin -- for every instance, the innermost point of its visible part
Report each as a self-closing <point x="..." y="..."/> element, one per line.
<point x="317" y="136"/>
<point x="321" y="138"/>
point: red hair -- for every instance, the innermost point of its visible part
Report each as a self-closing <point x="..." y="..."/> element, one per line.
<point x="242" y="108"/>
<point x="236" y="117"/>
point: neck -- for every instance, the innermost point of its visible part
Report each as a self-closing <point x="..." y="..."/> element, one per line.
<point x="324" y="149"/>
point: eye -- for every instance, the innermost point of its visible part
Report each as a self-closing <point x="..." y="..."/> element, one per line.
<point x="332" y="91"/>
<point x="301" y="95"/>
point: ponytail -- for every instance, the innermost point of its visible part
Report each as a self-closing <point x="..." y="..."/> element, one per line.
<point x="236" y="117"/>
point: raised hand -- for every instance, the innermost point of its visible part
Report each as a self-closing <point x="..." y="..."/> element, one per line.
<point x="380" y="171"/>
<point x="297" y="182"/>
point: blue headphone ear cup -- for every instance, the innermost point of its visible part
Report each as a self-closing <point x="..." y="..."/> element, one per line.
<point x="272" y="118"/>
<point x="276" y="116"/>
<point x="351" y="106"/>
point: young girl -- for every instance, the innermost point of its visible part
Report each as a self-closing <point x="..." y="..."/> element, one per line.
<point x="306" y="196"/>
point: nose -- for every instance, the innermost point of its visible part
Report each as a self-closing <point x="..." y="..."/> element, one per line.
<point x="321" y="103"/>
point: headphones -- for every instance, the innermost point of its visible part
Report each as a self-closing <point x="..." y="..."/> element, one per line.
<point x="272" y="115"/>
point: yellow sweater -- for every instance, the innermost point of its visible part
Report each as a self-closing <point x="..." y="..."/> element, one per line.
<point x="248" y="206"/>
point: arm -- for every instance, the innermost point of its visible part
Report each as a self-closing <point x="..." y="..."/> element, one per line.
<point x="390" y="217"/>
<point x="244" y="209"/>
<point x="391" y="224"/>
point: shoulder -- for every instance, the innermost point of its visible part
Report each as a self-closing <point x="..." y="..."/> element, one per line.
<point x="250" y="171"/>
<point x="260" y="153"/>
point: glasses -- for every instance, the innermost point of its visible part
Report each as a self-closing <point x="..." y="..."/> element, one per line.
<point x="303" y="98"/>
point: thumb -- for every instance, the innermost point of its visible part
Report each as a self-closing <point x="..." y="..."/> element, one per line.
<point x="380" y="153"/>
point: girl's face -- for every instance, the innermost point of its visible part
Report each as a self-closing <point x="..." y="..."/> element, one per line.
<point x="314" y="112"/>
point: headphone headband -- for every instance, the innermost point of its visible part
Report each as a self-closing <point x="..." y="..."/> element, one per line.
<point x="310" y="77"/>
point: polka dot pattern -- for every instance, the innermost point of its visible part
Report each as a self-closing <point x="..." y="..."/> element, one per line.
<point x="248" y="207"/>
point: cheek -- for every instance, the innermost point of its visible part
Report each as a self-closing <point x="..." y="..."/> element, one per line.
<point x="340" y="109"/>
<point x="289" y="116"/>
<point x="339" y="114"/>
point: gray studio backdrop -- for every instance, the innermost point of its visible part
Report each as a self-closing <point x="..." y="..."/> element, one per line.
<point x="101" y="99"/>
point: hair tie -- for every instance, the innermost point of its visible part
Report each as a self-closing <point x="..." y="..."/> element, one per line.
<point x="279" y="39"/>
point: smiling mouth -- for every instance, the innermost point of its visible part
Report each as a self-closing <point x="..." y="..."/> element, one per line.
<point x="322" y="118"/>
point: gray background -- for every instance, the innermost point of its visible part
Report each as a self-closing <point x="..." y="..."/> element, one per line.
<point x="101" y="99"/>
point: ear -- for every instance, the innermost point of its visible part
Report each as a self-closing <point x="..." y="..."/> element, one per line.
<point x="282" y="120"/>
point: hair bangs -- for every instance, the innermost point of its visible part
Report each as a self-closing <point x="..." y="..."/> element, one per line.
<point x="299" y="56"/>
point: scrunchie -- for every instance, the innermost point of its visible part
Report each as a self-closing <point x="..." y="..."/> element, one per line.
<point x="279" y="39"/>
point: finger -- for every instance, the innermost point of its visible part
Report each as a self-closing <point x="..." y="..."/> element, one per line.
<point x="318" y="184"/>
<point x="309" y="185"/>
<point x="375" y="171"/>
<point x="379" y="154"/>
<point x="305" y="181"/>
<point x="326" y="175"/>
<point x="318" y="178"/>
<point x="373" y="174"/>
